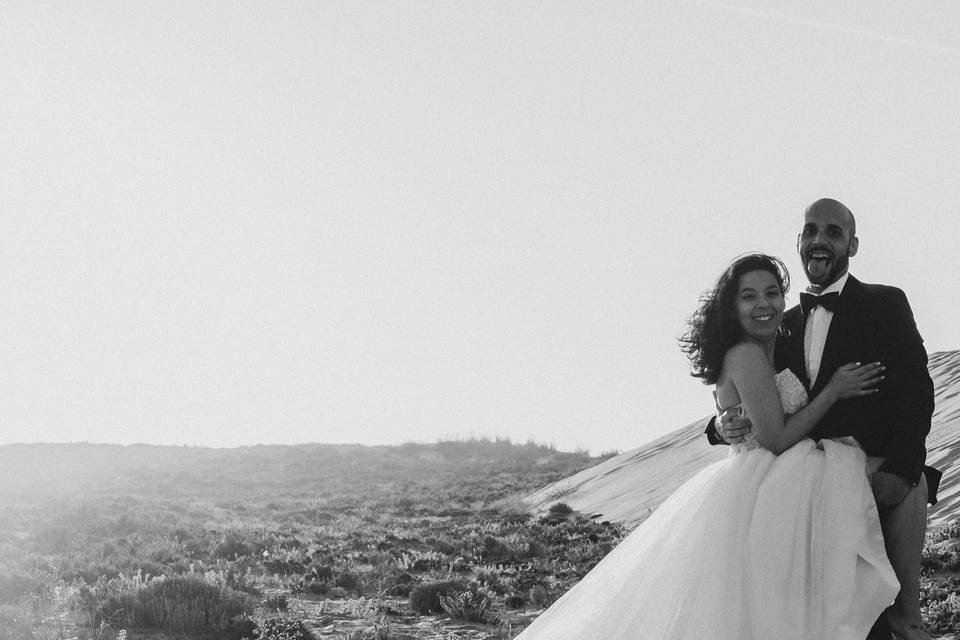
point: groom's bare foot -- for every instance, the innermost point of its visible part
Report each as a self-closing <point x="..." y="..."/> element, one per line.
<point x="906" y="629"/>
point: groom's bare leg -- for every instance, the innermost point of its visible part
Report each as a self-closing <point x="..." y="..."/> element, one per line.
<point x="904" y="530"/>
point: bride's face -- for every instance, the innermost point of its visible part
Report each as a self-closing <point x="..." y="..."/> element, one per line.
<point x="759" y="305"/>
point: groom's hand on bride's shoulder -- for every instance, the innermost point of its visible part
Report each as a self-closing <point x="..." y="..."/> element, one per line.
<point x="732" y="426"/>
<point x="889" y="489"/>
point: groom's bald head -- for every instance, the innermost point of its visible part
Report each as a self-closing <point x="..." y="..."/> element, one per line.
<point x="836" y="209"/>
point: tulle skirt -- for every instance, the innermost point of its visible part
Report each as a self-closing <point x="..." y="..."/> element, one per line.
<point x="755" y="546"/>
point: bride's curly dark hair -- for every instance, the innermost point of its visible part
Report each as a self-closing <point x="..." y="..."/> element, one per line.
<point x="714" y="327"/>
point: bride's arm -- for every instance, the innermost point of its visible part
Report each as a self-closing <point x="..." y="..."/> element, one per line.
<point x="753" y="376"/>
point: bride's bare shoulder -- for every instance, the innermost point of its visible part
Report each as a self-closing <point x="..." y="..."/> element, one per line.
<point x="743" y="354"/>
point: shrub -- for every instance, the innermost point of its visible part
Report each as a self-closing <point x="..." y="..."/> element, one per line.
<point x="470" y="605"/>
<point x="147" y="568"/>
<point x="324" y="572"/>
<point x="284" y="567"/>
<point x="401" y="590"/>
<point x="946" y="533"/>
<point x="317" y="587"/>
<point x="233" y="546"/>
<point x="336" y="593"/>
<point x="399" y="584"/>
<point x="426" y="597"/>
<point x="379" y="632"/>
<point x="276" y="603"/>
<point x="514" y="602"/>
<point x="944" y="615"/>
<point x="279" y="629"/>
<point x="491" y="580"/>
<point x="348" y="582"/>
<point x="91" y="572"/>
<point x="445" y="547"/>
<point x="558" y="512"/>
<point x="541" y="596"/>
<point x="952" y="561"/>
<point x="421" y="565"/>
<point x="183" y="604"/>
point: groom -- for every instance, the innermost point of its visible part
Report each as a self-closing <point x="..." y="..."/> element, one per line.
<point x="840" y="320"/>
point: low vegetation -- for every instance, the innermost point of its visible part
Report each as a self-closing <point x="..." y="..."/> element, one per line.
<point x="417" y="542"/>
<point x="285" y="542"/>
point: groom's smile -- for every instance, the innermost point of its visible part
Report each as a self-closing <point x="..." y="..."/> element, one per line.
<point x="818" y="263"/>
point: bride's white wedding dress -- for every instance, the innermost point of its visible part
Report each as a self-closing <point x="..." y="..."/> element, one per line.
<point x="755" y="546"/>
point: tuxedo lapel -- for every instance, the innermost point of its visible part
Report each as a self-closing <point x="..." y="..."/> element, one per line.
<point x="790" y="345"/>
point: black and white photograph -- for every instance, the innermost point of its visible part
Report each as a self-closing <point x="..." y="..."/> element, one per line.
<point x="422" y="320"/>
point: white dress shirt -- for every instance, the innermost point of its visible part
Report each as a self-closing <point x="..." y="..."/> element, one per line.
<point x="815" y="333"/>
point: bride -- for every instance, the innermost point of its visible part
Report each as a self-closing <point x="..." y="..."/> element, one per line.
<point x="781" y="539"/>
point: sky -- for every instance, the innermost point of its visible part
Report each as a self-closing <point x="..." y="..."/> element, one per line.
<point x="231" y="223"/>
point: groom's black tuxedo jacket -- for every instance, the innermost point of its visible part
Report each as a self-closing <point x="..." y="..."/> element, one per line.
<point x="871" y="323"/>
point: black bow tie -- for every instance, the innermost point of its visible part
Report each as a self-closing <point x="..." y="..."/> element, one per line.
<point x="828" y="301"/>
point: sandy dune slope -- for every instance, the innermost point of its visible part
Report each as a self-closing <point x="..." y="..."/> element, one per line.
<point x="630" y="486"/>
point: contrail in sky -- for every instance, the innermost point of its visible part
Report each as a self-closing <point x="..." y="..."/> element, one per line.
<point x="834" y="27"/>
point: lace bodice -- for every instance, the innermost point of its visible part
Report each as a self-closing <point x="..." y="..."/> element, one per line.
<point x="793" y="397"/>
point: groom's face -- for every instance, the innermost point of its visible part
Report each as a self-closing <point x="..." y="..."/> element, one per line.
<point x="826" y="244"/>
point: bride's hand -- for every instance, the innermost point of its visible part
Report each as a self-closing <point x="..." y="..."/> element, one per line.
<point x="854" y="380"/>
